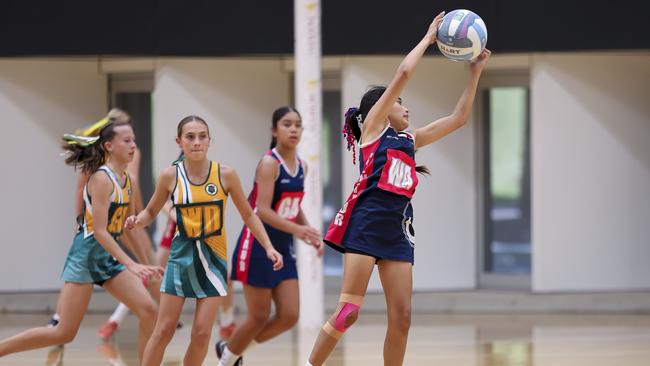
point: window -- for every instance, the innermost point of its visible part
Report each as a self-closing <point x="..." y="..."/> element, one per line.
<point x="505" y="184"/>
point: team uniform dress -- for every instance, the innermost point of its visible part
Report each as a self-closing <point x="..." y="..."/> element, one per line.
<point x="88" y="261"/>
<point x="377" y="217"/>
<point x="249" y="262"/>
<point x="197" y="258"/>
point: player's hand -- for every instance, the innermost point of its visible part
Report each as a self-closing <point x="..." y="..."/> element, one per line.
<point x="432" y="33"/>
<point x="476" y="65"/>
<point x="308" y="234"/>
<point x="320" y="248"/>
<point x="313" y="238"/>
<point x="145" y="272"/>
<point x="131" y="222"/>
<point x="275" y="257"/>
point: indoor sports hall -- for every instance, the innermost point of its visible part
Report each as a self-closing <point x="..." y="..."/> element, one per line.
<point x="532" y="229"/>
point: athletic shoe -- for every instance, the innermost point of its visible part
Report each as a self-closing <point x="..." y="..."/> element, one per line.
<point x="220" y="346"/>
<point x="53" y="322"/>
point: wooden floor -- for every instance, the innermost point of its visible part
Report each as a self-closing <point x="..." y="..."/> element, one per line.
<point x="435" y="339"/>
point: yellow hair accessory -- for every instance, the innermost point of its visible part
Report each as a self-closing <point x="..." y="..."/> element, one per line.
<point x="79" y="140"/>
<point x="92" y="129"/>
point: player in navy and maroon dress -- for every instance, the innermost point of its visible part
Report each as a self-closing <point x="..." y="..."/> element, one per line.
<point x="374" y="226"/>
<point x="276" y="197"/>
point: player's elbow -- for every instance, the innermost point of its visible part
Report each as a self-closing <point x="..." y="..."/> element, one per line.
<point x="404" y="72"/>
<point x="264" y="213"/>
<point x="459" y="119"/>
<point x="101" y="235"/>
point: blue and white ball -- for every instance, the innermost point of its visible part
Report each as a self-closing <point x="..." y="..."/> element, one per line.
<point x="462" y="35"/>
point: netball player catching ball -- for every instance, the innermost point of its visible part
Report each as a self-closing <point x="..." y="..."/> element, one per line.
<point x="199" y="189"/>
<point x="276" y="197"/>
<point x="375" y="224"/>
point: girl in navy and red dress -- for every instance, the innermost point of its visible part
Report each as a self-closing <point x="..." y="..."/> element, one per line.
<point x="374" y="226"/>
<point x="276" y="197"/>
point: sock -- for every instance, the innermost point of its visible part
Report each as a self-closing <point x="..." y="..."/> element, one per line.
<point x="251" y="345"/>
<point x="226" y="317"/>
<point x="228" y="358"/>
<point x="119" y="314"/>
<point x="116" y="362"/>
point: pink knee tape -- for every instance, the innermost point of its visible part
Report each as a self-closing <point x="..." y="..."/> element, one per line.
<point x="346" y="310"/>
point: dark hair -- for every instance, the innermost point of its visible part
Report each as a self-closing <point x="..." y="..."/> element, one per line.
<point x="189" y="119"/>
<point x="277" y="115"/>
<point x="92" y="156"/>
<point x="355" y="117"/>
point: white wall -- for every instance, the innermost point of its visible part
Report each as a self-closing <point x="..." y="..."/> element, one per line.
<point x="235" y="97"/>
<point x="590" y="119"/>
<point x="39" y="101"/>
<point x="590" y="172"/>
<point x="445" y="202"/>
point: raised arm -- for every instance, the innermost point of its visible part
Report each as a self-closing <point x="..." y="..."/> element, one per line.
<point x="232" y="185"/>
<point x="446" y="125"/>
<point x="376" y="120"/>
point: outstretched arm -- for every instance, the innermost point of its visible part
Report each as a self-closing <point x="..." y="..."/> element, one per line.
<point x="164" y="187"/>
<point x="232" y="185"/>
<point x="442" y="127"/>
<point x="377" y="117"/>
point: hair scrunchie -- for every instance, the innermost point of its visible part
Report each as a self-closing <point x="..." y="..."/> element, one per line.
<point x="348" y="134"/>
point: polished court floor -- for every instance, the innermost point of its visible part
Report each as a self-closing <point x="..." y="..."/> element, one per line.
<point x="435" y="339"/>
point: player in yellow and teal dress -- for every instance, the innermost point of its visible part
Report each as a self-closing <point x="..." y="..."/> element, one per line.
<point x="199" y="189"/>
<point x="95" y="257"/>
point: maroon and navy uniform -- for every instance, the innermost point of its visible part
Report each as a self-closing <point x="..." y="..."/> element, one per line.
<point x="377" y="217"/>
<point x="250" y="264"/>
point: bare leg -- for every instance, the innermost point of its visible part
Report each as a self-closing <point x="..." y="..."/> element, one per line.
<point x="128" y="289"/>
<point x="227" y="314"/>
<point x="204" y="317"/>
<point x="357" y="269"/>
<point x="258" y="302"/>
<point x="397" y="281"/>
<point x="287" y="304"/>
<point x="226" y="301"/>
<point x="73" y="302"/>
<point x="168" y="313"/>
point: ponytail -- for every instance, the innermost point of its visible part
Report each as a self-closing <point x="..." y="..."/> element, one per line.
<point x="352" y="130"/>
<point x="355" y="117"/>
<point x="87" y="152"/>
